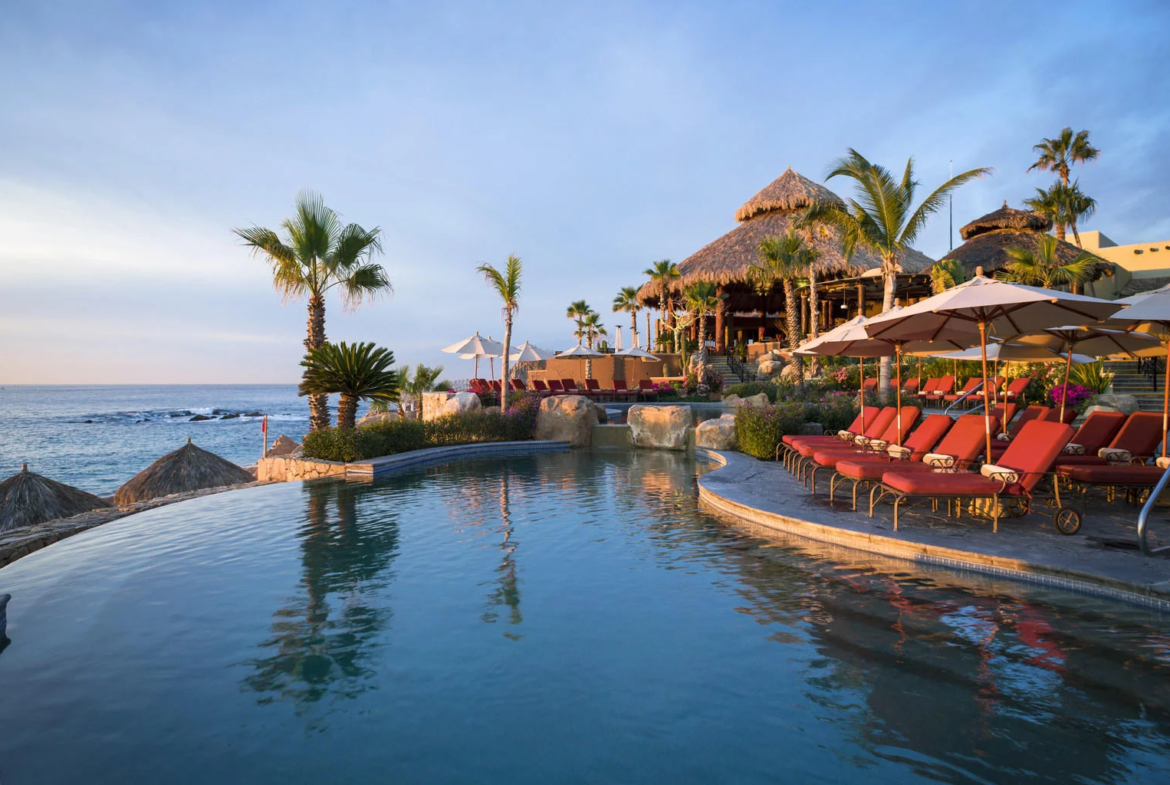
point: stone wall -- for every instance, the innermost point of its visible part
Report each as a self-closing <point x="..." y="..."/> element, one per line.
<point x="284" y="469"/>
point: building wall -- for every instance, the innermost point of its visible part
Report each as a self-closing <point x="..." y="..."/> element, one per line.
<point x="1142" y="260"/>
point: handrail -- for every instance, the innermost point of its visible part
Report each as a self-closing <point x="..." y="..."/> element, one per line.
<point x="1148" y="367"/>
<point x="1144" y="519"/>
<point x="964" y="397"/>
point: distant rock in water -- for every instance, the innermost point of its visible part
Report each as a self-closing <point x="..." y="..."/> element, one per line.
<point x="186" y="469"/>
<point x="90" y="422"/>
<point x="27" y="499"/>
<point x="230" y="416"/>
<point x="200" y="418"/>
<point x="254" y="414"/>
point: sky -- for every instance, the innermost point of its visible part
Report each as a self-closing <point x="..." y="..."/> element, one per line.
<point x="590" y="139"/>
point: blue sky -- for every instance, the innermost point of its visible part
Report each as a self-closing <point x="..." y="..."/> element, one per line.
<point x="590" y="139"/>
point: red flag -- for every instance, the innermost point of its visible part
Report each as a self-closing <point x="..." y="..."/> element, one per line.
<point x="264" y="427"/>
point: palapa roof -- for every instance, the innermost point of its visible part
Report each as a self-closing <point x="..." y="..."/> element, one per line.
<point x="769" y="213"/>
<point x="27" y="499"/>
<point x="990" y="236"/>
<point x="187" y="469"/>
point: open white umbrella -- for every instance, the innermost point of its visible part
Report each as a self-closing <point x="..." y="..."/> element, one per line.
<point x="475" y="347"/>
<point x="992" y="306"/>
<point x="1149" y="312"/>
<point x="635" y="351"/>
<point x="582" y="352"/>
<point x="1015" y="353"/>
<point x="526" y="353"/>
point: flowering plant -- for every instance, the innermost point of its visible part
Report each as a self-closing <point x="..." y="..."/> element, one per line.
<point x="1071" y="395"/>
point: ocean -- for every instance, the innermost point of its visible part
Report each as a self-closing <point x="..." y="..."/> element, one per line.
<point x="98" y="437"/>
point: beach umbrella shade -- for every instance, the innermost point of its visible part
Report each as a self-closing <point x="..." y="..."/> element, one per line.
<point x="1149" y="312"/>
<point x="992" y="307"/>
<point x="188" y="468"/>
<point x="636" y="351"/>
<point x="527" y="353"/>
<point x="27" y="498"/>
<point x="583" y="353"/>
<point x="475" y="347"/>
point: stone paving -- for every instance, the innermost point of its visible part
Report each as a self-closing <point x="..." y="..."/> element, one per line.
<point x="1103" y="553"/>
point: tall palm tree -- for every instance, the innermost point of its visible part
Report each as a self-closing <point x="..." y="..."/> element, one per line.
<point x="507" y="286"/>
<point x="577" y="311"/>
<point x="1065" y="206"/>
<point x="360" y="371"/>
<point x="1059" y="154"/>
<point x="702" y="299"/>
<point x="781" y="260"/>
<point x="627" y="300"/>
<point x="663" y="274"/>
<point x="1043" y="268"/>
<point x="319" y="254"/>
<point x="883" y="218"/>
<point x="592" y="329"/>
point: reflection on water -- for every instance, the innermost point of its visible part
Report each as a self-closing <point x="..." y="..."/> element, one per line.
<point x="568" y="616"/>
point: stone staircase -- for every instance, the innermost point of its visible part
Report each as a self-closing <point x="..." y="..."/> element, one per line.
<point x="720" y="366"/>
<point x="1127" y="381"/>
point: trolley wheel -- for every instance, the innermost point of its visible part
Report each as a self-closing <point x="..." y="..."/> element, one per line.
<point x="1016" y="507"/>
<point x="1067" y="520"/>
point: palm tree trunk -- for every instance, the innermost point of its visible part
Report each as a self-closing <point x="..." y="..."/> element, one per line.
<point x="347" y="411"/>
<point x="634" y="329"/>
<point x="814" y="323"/>
<point x="649" y="337"/>
<point x="793" y="327"/>
<point x="318" y="404"/>
<point x="1076" y="234"/>
<point x="890" y="283"/>
<point x="1060" y="231"/>
<point x="504" y="362"/>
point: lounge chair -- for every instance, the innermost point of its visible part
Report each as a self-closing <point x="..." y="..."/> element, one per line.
<point x="788" y="443"/>
<point x="593" y="390"/>
<point x="646" y="390"/>
<point x="874" y="430"/>
<point x="495" y="385"/>
<point x="541" y="387"/>
<point x="829" y="457"/>
<point x="910" y="387"/>
<point x="1097" y="431"/>
<point x="928" y="387"/>
<point x="869" y="468"/>
<point x="555" y="387"/>
<point x="971" y="386"/>
<point x="944" y="386"/>
<point x="1135" y="442"/>
<point x="962" y="446"/>
<point x="1134" y="479"/>
<point x="1004" y="412"/>
<point x="1016" y="389"/>
<point x="1016" y="475"/>
<point x="517" y="385"/>
<point x="869" y="385"/>
<point x="621" y="391"/>
<point x="571" y="387"/>
<point x="1000" y="444"/>
<point x="1055" y="415"/>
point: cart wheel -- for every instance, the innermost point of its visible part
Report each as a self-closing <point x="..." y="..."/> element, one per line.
<point x="1016" y="508"/>
<point x="1067" y="520"/>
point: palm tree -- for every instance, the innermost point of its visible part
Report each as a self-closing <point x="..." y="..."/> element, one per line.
<point x="782" y="260"/>
<point x="424" y="379"/>
<point x="882" y="217"/>
<point x="589" y="329"/>
<point x="1043" y="268"/>
<point x="577" y="311"/>
<point x="360" y="371"/>
<point x="947" y="274"/>
<point x="627" y="300"/>
<point x="1065" y="206"/>
<point x="663" y="275"/>
<point x="703" y="298"/>
<point x="320" y="253"/>
<point x="1059" y="154"/>
<point x="507" y="286"/>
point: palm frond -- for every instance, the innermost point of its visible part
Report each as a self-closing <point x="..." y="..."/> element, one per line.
<point x="362" y="370"/>
<point x="362" y="283"/>
<point x="936" y="201"/>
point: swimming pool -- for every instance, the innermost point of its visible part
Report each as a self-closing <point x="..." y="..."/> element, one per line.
<point x="567" y="617"/>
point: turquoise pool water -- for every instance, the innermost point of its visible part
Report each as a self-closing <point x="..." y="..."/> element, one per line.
<point x="567" y="617"/>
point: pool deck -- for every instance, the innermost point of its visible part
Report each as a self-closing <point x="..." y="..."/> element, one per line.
<point x="1027" y="548"/>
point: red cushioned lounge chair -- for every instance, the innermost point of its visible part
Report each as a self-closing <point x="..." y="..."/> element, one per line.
<point x="593" y="389"/>
<point x="571" y="387"/>
<point x="971" y="386"/>
<point x="1016" y="388"/>
<point x="944" y="386"/>
<point x="646" y="390"/>
<point x="517" y="385"/>
<point x="928" y="387"/>
<point x="910" y="387"/>
<point x="541" y="388"/>
<point x="621" y="391"/>
<point x="1004" y="412"/>
<point x="869" y="385"/>
<point x="874" y="429"/>
<point x="555" y="387"/>
<point x="1054" y="415"/>
<point x="787" y="446"/>
<point x="1028" y="460"/>
<point x="827" y="457"/>
<point x="919" y="443"/>
<point x="1135" y="442"/>
<point x="1097" y="431"/>
<point x="959" y="449"/>
<point x="1000" y="444"/>
<point x="495" y="384"/>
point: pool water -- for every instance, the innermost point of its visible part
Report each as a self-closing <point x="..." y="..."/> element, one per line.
<point x="568" y="617"/>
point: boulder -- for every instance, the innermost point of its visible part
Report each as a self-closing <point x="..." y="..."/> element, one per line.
<point x="1092" y="409"/>
<point x="432" y="403"/>
<point x="1126" y="404"/>
<point x="717" y="434"/>
<point x="459" y="403"/>
<point x="790" y="371"/>
<point x="769" y="369"/>
<point x="282" y="446"/>
<point x="659" y="427"/>
<point x="734" y="401"/>
<point x="374" y="419"/>
<point x="568" y="418"/>
<point x="602" y="415"/>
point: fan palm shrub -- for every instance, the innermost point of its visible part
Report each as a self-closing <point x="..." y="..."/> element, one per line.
<point x="882" y="217"/>
<point x="506" y="285"/>
<point x="1044" y="268"/>
<point x="627" y="301"/>
<point x="357" y="372"/>
<point x="663" y="274"/>
<point x="320" y="253"/>
<point x="782" y="260"/>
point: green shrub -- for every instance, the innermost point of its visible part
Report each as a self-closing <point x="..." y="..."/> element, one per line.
<point x="332" y="444"/>
<point x="760" y="428"/>
<point x="1091" y="375"/>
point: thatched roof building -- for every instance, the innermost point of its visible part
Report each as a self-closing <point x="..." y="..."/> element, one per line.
<point x="989" y="237"/>
<point x="728" y="260"/>
<point x="27" y="499"/>
<point x="186" y="469"/>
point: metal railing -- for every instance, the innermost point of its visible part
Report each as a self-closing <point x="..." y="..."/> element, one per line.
<point x="1150" y="367"/>
<point x="1143" y="527"/>
<point x="739" y="368"/>
<point x="962" y="398"/>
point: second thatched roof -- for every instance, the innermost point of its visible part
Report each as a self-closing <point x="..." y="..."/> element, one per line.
<point x="186" y="469"/>
<point x="770" y="213"/>
<point x="27" y="498"/>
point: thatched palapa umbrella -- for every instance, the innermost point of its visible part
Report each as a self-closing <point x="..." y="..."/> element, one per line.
<point x="27" y="499"/>
<point x="187" y="469"/>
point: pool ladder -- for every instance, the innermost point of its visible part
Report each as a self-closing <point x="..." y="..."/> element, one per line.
<point x="1143" y="528"/>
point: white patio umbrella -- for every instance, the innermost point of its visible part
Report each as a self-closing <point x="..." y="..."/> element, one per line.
<point x="1149" y="312"/>
<point x="993" y="306"/>
<point x="526" y="353"/>
<point x="635" y="351"/>
<point x="583" y="353"/>
<point x="1015" y="353"/>
<point x="475" y="347"/>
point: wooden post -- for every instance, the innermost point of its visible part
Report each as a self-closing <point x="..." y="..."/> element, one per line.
<point x="720" y="316"/>
<point x="861" y="299"/>
<point x="803" y="313"/>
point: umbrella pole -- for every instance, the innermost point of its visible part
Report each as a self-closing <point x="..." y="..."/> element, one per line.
<point x="1166" y="400"/>
<point x="1064" y="393"/>
<point x="898" y="371"/>
<point x="986" y="395"/>
<point x="861" y="390"/>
